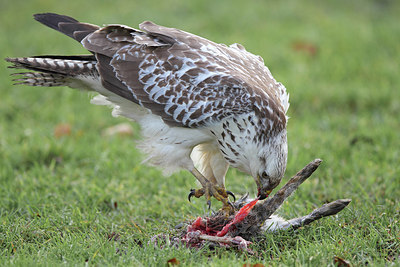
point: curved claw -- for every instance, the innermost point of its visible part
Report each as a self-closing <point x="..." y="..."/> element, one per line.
<point x="231" y="205"/>
<point x="233" y="195"/>
<point x="209" y="204"/>
<point x="191" y="194"/>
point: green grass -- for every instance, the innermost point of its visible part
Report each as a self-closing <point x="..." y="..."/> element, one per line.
<point x="57" y="195"/>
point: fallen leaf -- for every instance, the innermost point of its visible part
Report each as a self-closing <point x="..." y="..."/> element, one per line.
<point x="341" y="262"/>
<point x="306" y="47"/>
<point x="122" y="129"/>
<point x="62" y="129"/>
<point x="173" y="261"/>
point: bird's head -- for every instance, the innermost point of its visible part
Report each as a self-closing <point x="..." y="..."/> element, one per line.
<point x="270" y="165"/>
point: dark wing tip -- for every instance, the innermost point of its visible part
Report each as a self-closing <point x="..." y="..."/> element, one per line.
<point x="52" y="20"/>
<point x="66" y="25"/>
<point x="43" y="17"/>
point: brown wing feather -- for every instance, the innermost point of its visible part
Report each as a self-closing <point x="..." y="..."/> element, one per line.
<point x="66" y="25"/>
<point x="187" y="80"/>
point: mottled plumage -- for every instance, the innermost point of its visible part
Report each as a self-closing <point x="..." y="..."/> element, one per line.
<point x="199" y="103"/>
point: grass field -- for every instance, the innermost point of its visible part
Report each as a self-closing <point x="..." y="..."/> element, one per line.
<point x="61" y="198"/>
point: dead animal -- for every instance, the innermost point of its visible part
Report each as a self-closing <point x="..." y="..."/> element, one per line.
<point x="253" y="218"/>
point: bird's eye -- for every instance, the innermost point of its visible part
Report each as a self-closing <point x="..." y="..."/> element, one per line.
<point x="264" y="175"/>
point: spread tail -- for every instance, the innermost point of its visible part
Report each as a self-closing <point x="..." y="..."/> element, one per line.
<point x="57" y="70"/>
<point x="53" y="70"/>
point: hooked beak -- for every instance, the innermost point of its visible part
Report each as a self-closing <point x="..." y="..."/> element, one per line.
<point x="262" y="193"/>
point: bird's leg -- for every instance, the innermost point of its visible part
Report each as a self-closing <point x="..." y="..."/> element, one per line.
<point x="210" y="189"/>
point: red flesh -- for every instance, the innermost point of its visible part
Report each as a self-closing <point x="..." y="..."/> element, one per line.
<point x="243" y="212"/>
<point x="200" y="224"/>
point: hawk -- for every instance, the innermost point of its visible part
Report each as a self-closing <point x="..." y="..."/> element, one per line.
<point x="202" y="106"/>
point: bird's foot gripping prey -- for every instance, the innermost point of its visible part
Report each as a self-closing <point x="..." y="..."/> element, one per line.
<point x="209" y="190"/>
<point x="199" y="104"/>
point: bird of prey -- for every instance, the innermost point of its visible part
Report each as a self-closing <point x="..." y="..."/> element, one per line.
<point x="202" y="106"/>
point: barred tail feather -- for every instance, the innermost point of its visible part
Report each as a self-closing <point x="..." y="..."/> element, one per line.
<point x="41" y="79"/>
<point x="68" y="65"/>
<point x="53" y="70"/>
